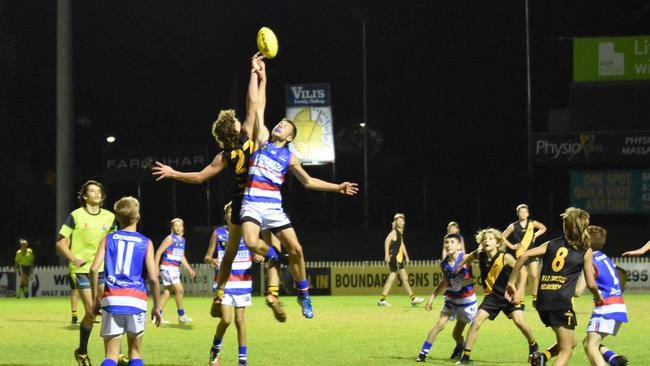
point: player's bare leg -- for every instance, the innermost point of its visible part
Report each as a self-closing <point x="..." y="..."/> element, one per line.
<point x="135" y="347"/>
<point x="234" y="237"/>
<point x="457" y="334"/>
<point x="297" y="266"/>
<point x="566" y="340"/>
<point x="533" y="268"/>
<point x="112" y="347"/>
<point x="85" y="328"/>
<point x="405" y="282"/>
<point x="273" y="281"/>
<point x="386" y="289"/>
<point x="472" y="333"/>
<point x="591" y="345"/>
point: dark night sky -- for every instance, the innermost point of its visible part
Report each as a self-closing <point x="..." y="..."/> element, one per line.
<point x="446" y="92"/>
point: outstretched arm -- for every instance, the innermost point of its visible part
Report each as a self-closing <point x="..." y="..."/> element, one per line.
<point x="346" y="188"/>
<point x="513" y="284"/>
<point x="252" y="97"/>
<point x="639" y="252"/>
<point x="467" y="259"/>
<point x="260" y="132"/>
<point x="162" y="171"/>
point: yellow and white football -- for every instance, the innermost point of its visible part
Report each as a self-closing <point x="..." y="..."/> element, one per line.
<point x="267" y="42"/>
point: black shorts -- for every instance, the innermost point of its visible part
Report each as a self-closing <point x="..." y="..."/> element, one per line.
<point x="394" y="265"/>
<point x="494" y="304"/>
<point x="26" y="270"/>
<point x="558" y="318"/>
<point x="72" y="279"/>
<point x="236" y="209"/>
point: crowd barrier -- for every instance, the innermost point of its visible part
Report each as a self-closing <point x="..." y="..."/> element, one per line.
<point x="325" y="278"/>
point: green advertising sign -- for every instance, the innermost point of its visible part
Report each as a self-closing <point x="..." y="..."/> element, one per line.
<point x="611" y="191"/>
<point x="613" y="58"/>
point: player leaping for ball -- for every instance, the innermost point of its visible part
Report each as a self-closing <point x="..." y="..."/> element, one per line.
<point x="262" y="205"/>
<point x="238" y="141"/>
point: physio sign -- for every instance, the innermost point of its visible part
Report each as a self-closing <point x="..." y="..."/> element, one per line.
<point x="612" y="58"/>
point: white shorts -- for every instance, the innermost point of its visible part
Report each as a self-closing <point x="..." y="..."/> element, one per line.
<point x="170" y="277"/>
<point x="238" y="301"/>
<point x="602" y="325"/>
<point x="118" y="324"/>
<point x="465" y="314"/>
<point x="266" y="217"/>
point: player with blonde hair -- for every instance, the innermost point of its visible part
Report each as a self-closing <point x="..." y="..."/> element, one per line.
<point x="127" y="254"/>
<point x="238" y="140"/>
<point x="564" y="259"/>
<point x="170" y="255"/>
<point x="396" y="256"/>
<point x="496" y="268"/>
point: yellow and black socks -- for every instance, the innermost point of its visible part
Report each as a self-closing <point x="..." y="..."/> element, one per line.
<point x="273" y="290"/>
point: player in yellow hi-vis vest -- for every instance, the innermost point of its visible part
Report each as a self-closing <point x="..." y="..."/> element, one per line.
<point x="24" y="262"/>
<point x="396" y="256"/>
<point x="79" y="239"/>
<point x="523" y="234"/>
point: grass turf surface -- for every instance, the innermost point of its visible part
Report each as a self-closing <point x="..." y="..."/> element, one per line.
<point x="346" y="330"/>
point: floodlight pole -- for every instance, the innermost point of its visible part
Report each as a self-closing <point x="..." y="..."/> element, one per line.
<point x="529" y="113"/>
<point x="366" y="199"/>
<point x="64" y="111"/>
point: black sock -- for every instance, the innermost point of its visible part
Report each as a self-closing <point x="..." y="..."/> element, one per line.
<point x="84" y="334"/>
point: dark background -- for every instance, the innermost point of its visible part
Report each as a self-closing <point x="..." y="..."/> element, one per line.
<point x="446" y="110"/>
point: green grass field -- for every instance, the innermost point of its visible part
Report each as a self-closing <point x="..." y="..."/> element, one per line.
<point x="345" y="331"/>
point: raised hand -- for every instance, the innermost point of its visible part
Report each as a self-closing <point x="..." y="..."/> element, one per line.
<point x="634" y="253"/>
<point x="348" y="189"/>
<point x="162" y="171"/>
<point x="255" y="60"/>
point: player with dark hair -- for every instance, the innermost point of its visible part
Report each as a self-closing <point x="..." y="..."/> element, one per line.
<point x="78" y="241"/>
<point x="460" y="299"/>
<point x="453" y="228"/>
<point x="262" y="205"/>
<point x="128" y="254"/>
